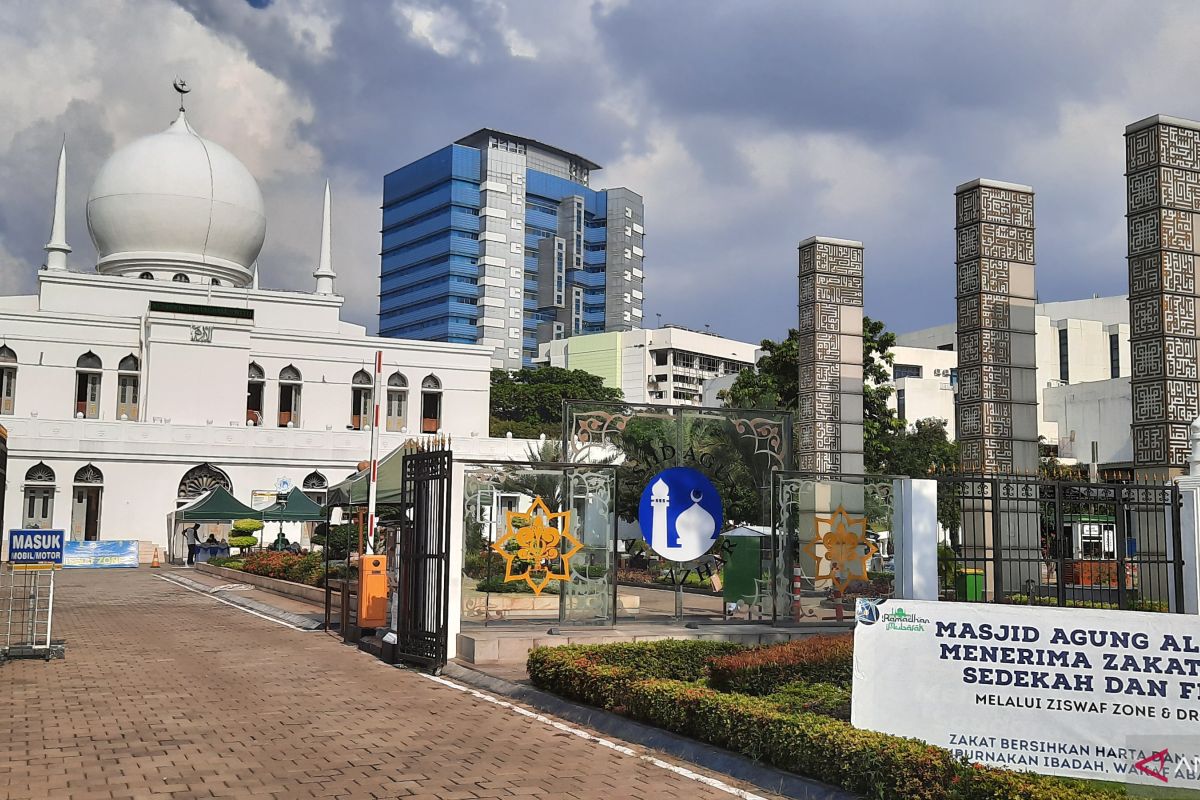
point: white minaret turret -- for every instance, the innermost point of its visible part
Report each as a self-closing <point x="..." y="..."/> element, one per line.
<point x="324" y="273"/>
<point x="57" y="248"/>
<point x="660" y="499"/>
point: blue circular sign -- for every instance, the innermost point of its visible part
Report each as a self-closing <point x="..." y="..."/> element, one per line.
<point x="680" y="514"/>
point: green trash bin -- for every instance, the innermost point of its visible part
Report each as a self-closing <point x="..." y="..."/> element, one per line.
<point x="969" y="585"/>
<point x="743" y="564"/>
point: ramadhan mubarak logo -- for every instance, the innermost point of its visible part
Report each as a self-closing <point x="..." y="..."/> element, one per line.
<point x="900" y="620"/>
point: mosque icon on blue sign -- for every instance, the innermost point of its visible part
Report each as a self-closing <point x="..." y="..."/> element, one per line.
<point x="680" y="514"/>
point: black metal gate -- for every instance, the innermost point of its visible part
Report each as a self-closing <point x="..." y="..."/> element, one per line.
<point x="1025" y="539"/>
<point x="423" y="560"/>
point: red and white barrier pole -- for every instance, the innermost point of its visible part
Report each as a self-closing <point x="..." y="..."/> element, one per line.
<point x="373" y="491"/>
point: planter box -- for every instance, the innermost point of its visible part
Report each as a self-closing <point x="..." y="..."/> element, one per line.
<point x="502" y="606"/>
<point x="296" y="591"/>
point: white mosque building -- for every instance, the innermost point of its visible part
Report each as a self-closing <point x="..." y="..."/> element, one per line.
<point x="166" y="370"/>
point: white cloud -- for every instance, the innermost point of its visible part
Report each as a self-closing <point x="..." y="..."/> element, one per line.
<point x="311" y="24"/>
<point x="440" y="29"/>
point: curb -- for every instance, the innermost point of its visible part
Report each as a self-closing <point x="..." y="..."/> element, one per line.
<point x="234" y="598"/>
<point x="703" y="755"/>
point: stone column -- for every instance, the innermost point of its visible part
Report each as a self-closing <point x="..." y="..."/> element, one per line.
<point x="829" y="420"/>
<point x="997" y="366"/>
<point x="997" y="377"/>
<point x="830" y="414"/>
<point x="1162" y="156"/>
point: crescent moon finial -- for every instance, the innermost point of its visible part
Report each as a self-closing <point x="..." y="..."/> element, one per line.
<point x="181" y="86"/>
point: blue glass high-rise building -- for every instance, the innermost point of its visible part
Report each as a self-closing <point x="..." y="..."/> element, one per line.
<point x="500" y="240"/>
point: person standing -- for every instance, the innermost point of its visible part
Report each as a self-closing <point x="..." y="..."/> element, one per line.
<point x="192" y="536"/>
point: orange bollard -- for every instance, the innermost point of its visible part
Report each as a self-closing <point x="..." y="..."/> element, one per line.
<point x="154" y="563"/>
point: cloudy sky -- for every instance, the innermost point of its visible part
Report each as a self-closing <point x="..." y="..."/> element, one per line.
<point x="746" y="125"/>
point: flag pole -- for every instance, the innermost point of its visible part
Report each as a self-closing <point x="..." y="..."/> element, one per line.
<point x="373" y="491"/>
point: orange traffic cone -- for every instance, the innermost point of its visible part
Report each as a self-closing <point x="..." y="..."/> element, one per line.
<point x="154" y="563"/>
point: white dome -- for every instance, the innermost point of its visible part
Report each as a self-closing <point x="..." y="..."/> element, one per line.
<point x="176" y="202"/>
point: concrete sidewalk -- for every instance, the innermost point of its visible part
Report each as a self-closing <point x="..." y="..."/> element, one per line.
<point x="166" y="692"/>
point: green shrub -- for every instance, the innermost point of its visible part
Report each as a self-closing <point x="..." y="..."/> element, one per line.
<point x="625" y="678"/>
<point x="229" y="562"/>
<point x="764" y="670"/>
<point x="248" y="526"/>
<point x="679" y="659"/>
<point x="1158" y="606"/>
<point x="308" y="568"/>
<point x="817" y="698"/>
<point x="243" y="541"/>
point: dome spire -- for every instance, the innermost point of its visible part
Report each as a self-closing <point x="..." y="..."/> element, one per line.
<point x="324" y="273"/>
<point x="57" y="248"/>
<point x="181" y="87"/>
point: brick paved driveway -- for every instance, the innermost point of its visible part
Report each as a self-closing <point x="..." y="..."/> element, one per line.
<point x="165" y="692"/>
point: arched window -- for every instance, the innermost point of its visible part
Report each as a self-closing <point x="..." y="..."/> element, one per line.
<point x="146" y="276"/>
<point x="87" y="385"/>
<point x="39" y="473"/>
<point x="361" y="400"/>
<point x="128" y="384"/>
<point x="216" y="282"/>
<point x="397" y="402"/>
<point x="8" y="379"/>
<point x="255" y="383"/>
<point x="179" y="277"/>
<point x="431" y="404"/>
<point x="200" y="479"/>
<point x="289" y="397"/>
<point x="89" y="474"/>
<point x="315" y="486"/>
<point x="38" y="508"/>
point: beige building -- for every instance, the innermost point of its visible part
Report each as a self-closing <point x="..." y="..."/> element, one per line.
<point x="668" y="365"/>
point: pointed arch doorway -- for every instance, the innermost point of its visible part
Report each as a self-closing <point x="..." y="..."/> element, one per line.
<point x="86" y="493"/>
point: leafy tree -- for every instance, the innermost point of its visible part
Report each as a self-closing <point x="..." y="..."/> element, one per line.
<point x="922" y="449"/>
<point x="880" y="426"/>
<point x="774" y="383"/>
<point x="528" y="401"/>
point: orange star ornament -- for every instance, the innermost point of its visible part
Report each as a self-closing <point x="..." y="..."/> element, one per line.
<point x="534" y="549"/>
<point x="846" y="549"/>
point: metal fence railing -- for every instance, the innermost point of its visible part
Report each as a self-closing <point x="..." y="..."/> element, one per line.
<point x="1026" y="539"/>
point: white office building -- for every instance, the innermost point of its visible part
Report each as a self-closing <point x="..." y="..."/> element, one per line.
<point x="1078" y="342"/>
<point x="670" y="365"/>
<point x="164" y="369"/>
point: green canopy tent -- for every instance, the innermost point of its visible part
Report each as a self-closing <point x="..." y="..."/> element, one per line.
<point x="295" y="508"/>
<point x="353" y="490"/>
<point x="216" y="506"/>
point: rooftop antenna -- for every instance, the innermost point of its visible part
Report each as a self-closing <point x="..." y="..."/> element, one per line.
<point x="659" y="319"/>
<point x="181" y="87"/>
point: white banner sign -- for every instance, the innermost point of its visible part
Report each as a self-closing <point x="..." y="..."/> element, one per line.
<point x="1108" y="695"/>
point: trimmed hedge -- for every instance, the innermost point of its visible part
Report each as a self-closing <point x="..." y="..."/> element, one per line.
<point x="623" y="678"/>
<point x="765" y="670"/>
<point x="818" y="698"/>
<point x="678" y="659"/>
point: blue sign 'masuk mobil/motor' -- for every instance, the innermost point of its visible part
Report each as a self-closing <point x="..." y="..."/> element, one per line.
<point x="680" y="514"/>
<point x="30" y="548"/>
